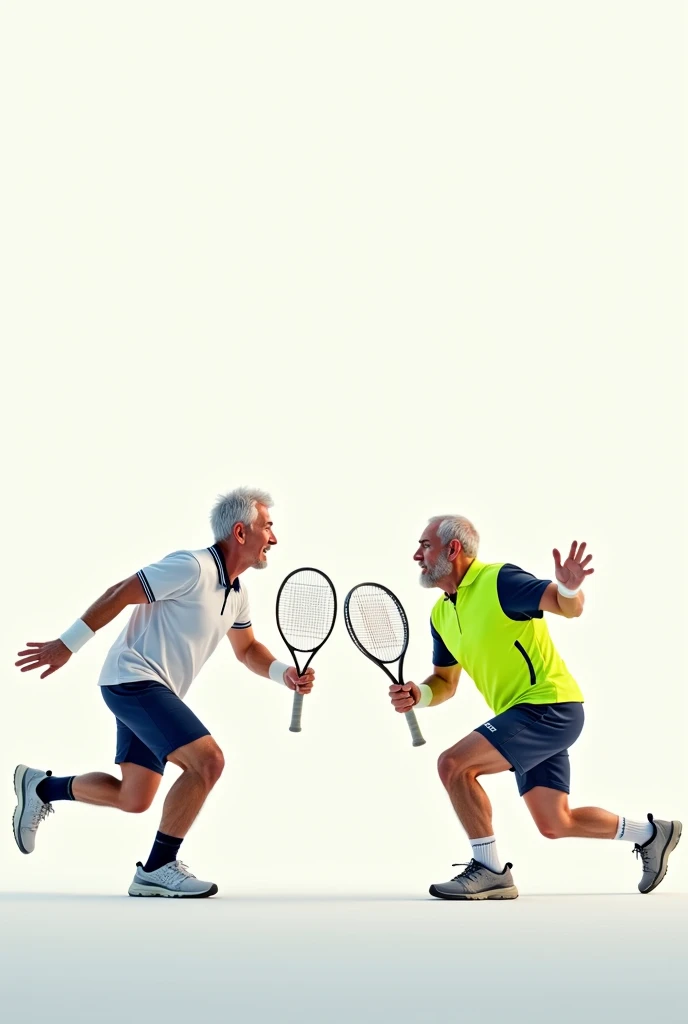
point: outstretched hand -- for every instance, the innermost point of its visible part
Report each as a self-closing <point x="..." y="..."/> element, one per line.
<point x="54" y="654"/>
<point x="573" y="571"/>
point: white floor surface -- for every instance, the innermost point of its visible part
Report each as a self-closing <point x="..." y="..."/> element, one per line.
<point x="344" y="958"/>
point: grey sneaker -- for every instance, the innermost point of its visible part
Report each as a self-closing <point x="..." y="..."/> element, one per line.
<point x="173" y="879"/>
<point x="477" y="882"/>
<point x="655" y="852"/>
<point x="30" y="810"/>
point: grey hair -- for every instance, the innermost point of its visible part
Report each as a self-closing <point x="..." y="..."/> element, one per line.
<point x="458" y="528"/>
<point x="237" y="506"/>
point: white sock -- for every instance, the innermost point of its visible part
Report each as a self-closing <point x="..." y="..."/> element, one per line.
<point x="634" y="831"/>
<point x="485" y="851"/>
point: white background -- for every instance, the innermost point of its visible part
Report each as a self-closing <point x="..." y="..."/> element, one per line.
<point x="387" y="261"/>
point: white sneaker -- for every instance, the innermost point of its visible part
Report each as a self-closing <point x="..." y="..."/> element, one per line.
<point x="30" y="810"/>
<point x="173" y="879"/>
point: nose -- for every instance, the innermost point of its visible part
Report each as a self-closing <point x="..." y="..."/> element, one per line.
<point x="418" y="557"/>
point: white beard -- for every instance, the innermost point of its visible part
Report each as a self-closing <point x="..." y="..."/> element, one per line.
<point x="260" y="565"/>
<point x="440" y="570"/>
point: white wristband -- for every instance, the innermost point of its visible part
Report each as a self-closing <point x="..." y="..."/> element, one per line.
<point x="425" y="695"/>
<point x="277" y="670"/>
<point x="77" y="635"/>
<point x="565" y="592"/>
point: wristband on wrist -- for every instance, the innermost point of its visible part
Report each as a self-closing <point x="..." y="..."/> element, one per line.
<point x="276" y="672"/>
<point x="565" y="592"/>
<point x="425" y="695"/>
<point x="77" y="635"/>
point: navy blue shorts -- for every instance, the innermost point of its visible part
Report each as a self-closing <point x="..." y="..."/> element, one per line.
<point x="152" y="721"/>
<point x="534" y="738"/>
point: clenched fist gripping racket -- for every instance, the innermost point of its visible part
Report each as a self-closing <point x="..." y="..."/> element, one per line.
<point x="377" y="624"/>
<point x="306" y="610"/>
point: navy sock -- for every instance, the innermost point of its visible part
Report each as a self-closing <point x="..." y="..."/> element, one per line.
<point x="50" y="789"/>
<point x="165" y="849"/>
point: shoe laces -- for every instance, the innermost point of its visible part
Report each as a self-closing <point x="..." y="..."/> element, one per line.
<point x="177" y="867"/>
<point x="643" y="853"/>
<point x="471" y="868"/>
<point x="39" y="815"/>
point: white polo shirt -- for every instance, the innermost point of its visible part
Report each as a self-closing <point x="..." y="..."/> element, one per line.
<point x="191" y="606"/>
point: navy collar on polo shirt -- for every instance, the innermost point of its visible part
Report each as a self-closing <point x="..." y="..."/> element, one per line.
<point x="222" y="575"/>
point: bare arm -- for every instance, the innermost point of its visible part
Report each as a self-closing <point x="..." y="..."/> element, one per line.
<point x="249" y="652"/>
<point x="55" y="654"/>
<point x="554" y="602"/>
<point x="257" y="658"/>
<point x="113" y="601"/>
<point x="443" y="683"/>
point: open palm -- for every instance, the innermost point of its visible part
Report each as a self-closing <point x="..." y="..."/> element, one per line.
<point x="573" y="571"/>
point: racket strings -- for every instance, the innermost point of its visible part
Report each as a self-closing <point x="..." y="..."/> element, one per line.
<point x="306" y="610"/>
<point x="377" y="623"/>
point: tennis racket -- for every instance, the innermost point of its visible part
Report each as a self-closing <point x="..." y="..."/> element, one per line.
<point x="377" y="624"/>
<point x="306" y="610"/>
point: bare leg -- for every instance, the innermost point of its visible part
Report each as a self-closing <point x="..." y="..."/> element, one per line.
<point x="459" y="768"/>
<point x="134" y="792"/>
<point x="556" y="820"/>
<point x="201" y="763"/>
<point x="183" y="803"/>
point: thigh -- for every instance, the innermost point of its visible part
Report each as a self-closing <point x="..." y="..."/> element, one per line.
<point x="156" y="717"/>
<point x="530" y="734"/>
<point x="195" y="755"/>
<point x="475" y="752"/>
<point x="547" y="806"/>
<point x="133" y="751"/>
<point x="553" y="776"/>
<point x="139" y="781"/>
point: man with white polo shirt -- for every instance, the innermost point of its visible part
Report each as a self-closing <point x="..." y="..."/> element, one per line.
<point x="183" y="606"/>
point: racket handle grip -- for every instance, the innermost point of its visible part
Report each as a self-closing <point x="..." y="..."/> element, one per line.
<point x="296" y="713"/>
<point x="414" y="728"/>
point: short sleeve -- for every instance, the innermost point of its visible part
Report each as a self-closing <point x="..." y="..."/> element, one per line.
<point x="173" y="576"/>
<point x="520" y="593"/>
<point x="243" y="619"/>
<point x="440" y="655"/>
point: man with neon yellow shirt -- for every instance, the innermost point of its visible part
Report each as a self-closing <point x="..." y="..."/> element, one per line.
<point x="490" y="622"/>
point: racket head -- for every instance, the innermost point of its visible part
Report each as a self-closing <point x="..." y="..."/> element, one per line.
<point x="376" y="622"/>
<point x="306" y="609"/>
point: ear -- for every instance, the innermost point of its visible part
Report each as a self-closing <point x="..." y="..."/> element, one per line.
<point x="454" y="550"/>
<point x="239" y="533"/>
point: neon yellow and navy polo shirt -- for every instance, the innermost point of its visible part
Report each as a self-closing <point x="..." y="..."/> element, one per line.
<point x="493" y="628"/>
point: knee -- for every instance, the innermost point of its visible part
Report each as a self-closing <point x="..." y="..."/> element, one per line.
<point x="212" y="766"/>
<point x="553" y="828"/>
<point x="450" y="765"/>
<point x="135" y="803"/>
